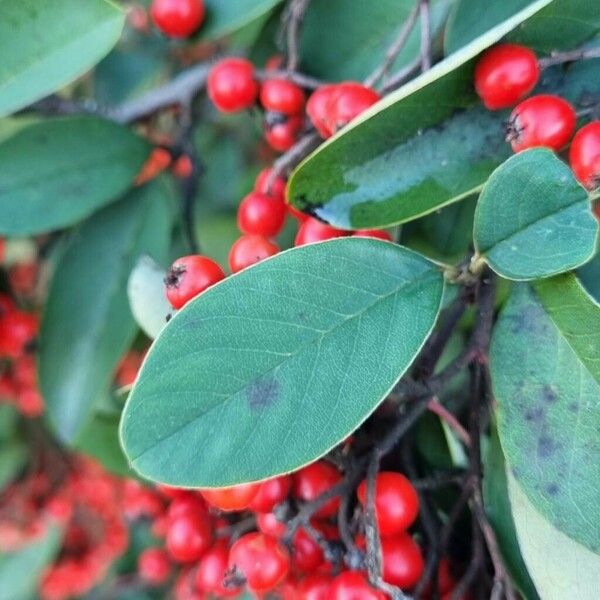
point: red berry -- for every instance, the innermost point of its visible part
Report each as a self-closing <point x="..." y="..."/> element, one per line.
<point x="379" y="234"/>
<point x="505" y="74"/>
<point x="2" y="249"/>
<point x="282" y="135"/>
<point x="316" y="109"/>
<point x="261" y="560"/>
<point x="259" y="214"/>
<point x="314" y="587"/>
<point x="282" y="96"/>
<point x="237" y="497"/>
<point x="347" y="102"/>
<point x="269" y="524"/>
<point x="396" y="502"/>
<point x="18" y="329"/>
<point x="312" y="230"/>
<point x="543" y="120"/>
<point x="189" y="536"/>
<point x="177" y="18"/>
<point x="190" y="276"/>
<point x="212" y="570"/>
<point x="402" y="561"/>
<point x="274" y="62"/>
<point x="584" y="155"/>
<point x="249" y="250"/>
<point x="277" y="188"/>
<point x="446" y="581"/>
<point x="315" y="479"/>
<point x="307" y="555"/>
<point x="353" y="585"/>
<point x="186" y="504"/>
<point x="154" y="566"/>
<point x="271" y="493"/>
<point x="6" y="304"/>
<point x="183" y="167"/>
<point x="231" y="85"/>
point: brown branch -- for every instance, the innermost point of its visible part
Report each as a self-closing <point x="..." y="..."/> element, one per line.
<point x="443" y="413"/>
<point x="558" y="58"/>
<point x="295" y="17"/>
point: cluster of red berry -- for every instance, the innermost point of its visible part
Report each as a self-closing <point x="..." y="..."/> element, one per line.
<point x="226" y="539"/>
<point x="504" y="76"/>
<point x="85" y="502"/>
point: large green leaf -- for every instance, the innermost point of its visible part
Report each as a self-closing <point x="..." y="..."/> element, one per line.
<point x="58" y="171"/>
<point x="533" y="219"/>
<point x="560" y="567"/>
<point x="411" y="153"/>
<point x="45" y="45"/>
<point x="20" y="571"/>
<point x="589" y="275"/>
<point x="87" y="323"/>
<point x="343" y="22"/>
<point x="268" y="370"/>
<point x="498" y="509"/>
<point x="546" y="376"/>
<point x="223" y="18"/>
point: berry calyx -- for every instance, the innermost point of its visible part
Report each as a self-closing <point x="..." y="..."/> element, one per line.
<point x="543" y="120"/>
<point x="505" y="74"/>
<point x="259" y="214"/>
<point x="212" y="571"/>
<point x="379" y="234"/>
<point x="260" y="560"/>
<point x="271" y="493"/>
<point x="402" y="561"/>
<point x="312" y="230"/>
<point x="282" y="96"/>
<point x="231" y="85"/>
<point x="584" y="155"/>
<point x="190" y="276"/>
<point x="154" y="566"/>
<point x="283" y="134"/>
<point x="314" y="480"/>
<point x="277" y="188"/>
<point x="249" y="250"/>
<point x="177" y="18"/>
<point x="396" y="502"/>
<point x="237" y="497"/>
<point x="189" y="536"/>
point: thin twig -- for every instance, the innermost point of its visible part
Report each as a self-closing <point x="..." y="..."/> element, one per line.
<point x="302" y="80"/>
<point x="401" y="77"/>
<point x="558" y="58"/>
<point x="297" y="10"/>
<point x="443" y="413"/>
<point x="395" y="47"/>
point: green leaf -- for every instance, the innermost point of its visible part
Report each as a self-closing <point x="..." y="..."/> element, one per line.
<point x="20" y="571"/>
<point x="223" y="18"/>
<point x="498" y="509"/>
<point x="147" y="299"/>
<point x="271" y="368"/>
<point x="560" y="567"/>
<point x="375" y="24"/>
<point x="589" y="275"/>
<point x="87" y="323"/>
<point x="46" y="45"/>
<point x="545" y="369"/>
<point x="410" y="154"/>
<point x="533" y="219"/>
<point x="100" y="439"/>
<point x="467" y="21"/>
<point x="58" y="171"/>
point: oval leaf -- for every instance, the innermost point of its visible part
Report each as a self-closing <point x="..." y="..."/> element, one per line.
<point x="268" y="370"/>
<point x="410" y="154"/>
<point x="46" y="45"/>
<point x="533" y="219"/>
<point x="560" y="567"/>
<point x="147" y="299"/>
<point x="546" y="375"/>
<point x="87" y="323"/>
<point x="58" y="171"/>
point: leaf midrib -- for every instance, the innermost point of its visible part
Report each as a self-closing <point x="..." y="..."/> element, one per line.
<point x="317" y="339"/>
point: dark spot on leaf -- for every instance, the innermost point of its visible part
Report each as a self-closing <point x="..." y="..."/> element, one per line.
<point x="535" y="414"/>
<point x="302" y="316"/>
<point x="549" y="394"/>
<point x="262" y="393"/>
<point x="574" y="407"/>
<point x="553" y="488"/>
<point x="516" y="472"/>
<point x="546" y="447"/>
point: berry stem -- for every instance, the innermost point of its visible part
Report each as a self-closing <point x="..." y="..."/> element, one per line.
<point x="558" y="58"/>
